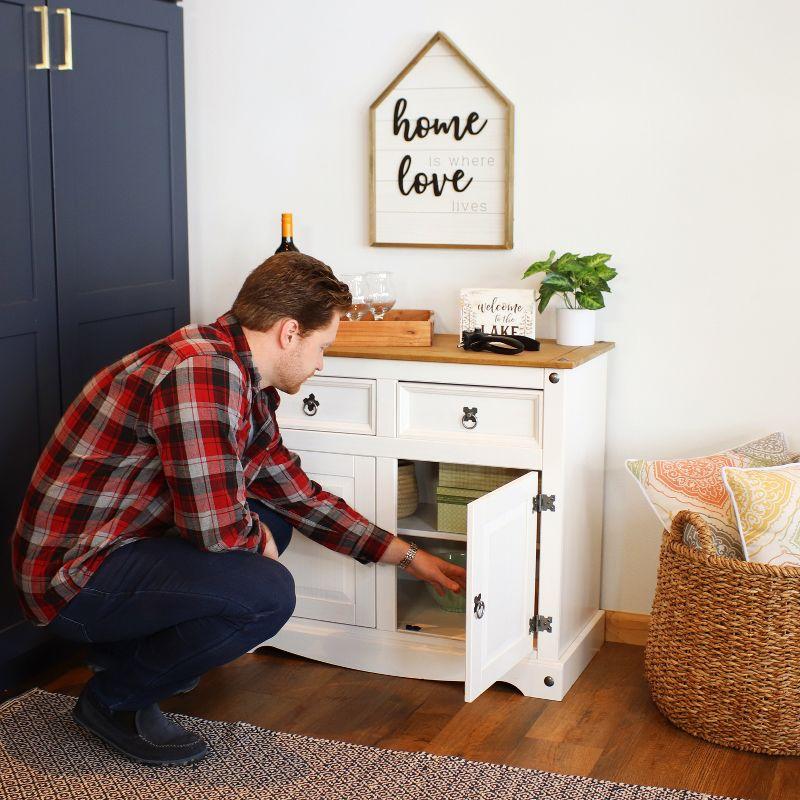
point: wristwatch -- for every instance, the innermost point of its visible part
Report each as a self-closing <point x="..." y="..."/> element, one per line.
<point x="409" y="556"/>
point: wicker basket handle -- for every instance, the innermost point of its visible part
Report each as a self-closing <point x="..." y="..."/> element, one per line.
<point x="704" y="535"/>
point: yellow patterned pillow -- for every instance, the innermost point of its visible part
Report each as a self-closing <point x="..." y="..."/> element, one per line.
<point x="766" y="503"/>
<point x="696" y="484"/>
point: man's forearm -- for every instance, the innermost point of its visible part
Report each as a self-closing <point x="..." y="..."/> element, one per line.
<point x="394" y="553"/>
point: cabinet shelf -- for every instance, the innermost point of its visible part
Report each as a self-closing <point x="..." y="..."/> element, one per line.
<point x="423" y="523"/>
<point x="416" y="607"/>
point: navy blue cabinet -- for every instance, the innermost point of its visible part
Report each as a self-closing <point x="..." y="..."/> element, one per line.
<point x="118" y="181"/>
<point x="93" y="253"/>
<point x="29" y="368"/>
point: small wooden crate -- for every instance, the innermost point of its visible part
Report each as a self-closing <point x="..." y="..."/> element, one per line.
<point x="399" y="328"/>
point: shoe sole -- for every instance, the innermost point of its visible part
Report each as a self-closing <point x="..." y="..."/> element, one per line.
<point x="138" y="759"/>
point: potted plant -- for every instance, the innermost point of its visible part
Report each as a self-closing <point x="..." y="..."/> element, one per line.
<point x="581" y="281"/>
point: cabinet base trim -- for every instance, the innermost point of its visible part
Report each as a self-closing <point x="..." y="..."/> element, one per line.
<point x="404" y="655"/>
<point x="531" y="675"/>
<point x="409" y="655"/>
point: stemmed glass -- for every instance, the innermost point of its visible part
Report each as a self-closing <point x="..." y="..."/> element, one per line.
<point x="357" y="287"/>
<point x="380" y="293"/>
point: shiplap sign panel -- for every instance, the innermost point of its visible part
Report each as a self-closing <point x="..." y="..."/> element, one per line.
<point x="441" y="162"/>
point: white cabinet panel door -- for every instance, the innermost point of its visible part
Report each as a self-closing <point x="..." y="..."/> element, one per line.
<point x="331" y="586"/>
<point x="501" y="571"/>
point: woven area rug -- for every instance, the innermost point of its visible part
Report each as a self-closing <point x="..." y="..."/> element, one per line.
<point x="44" y="754"/>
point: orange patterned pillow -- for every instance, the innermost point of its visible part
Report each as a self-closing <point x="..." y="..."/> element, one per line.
<point x="696" y="484"/>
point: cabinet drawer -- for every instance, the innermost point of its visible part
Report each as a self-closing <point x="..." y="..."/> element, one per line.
<point x="344" y="405"/>
<point x="503" y="416"/>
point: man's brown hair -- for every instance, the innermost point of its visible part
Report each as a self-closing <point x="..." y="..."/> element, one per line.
<point x="291" y="285"/>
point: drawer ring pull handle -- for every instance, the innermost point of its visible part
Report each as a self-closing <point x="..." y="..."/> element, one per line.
<point x="310" y="405"/>
<point x="469" y="420"/>
<point x="480" y="607"/>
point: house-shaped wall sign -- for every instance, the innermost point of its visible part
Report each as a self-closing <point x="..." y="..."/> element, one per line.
<point x="442" y="153"/>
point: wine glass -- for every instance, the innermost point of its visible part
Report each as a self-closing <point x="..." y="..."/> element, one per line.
<point x="356" y="285"/>
<point x="380" y="293"/>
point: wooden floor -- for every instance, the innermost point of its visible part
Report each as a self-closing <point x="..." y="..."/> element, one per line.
<point x="606" y="727"/>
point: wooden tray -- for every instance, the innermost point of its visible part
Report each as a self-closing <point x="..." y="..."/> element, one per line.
<point x="399" y="328"/>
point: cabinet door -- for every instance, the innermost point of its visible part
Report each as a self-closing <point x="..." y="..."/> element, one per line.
<point x="331" y="586"/>
<point x="119" y="180"/>
<point x="501" y="574"/>
<point x="29" y="401"/>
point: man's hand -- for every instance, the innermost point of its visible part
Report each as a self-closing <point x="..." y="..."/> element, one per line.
<point x="439" y="573"/>
<point x="271" y="550"/>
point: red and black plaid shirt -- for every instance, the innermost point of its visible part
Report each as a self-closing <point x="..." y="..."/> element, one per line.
<point x="157" y="444"/>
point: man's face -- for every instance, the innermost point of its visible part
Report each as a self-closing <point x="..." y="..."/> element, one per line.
<point x="304" y="357"/>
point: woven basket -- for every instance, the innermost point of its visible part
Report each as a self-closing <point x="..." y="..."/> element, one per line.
<point x="476" y="476"/>
<point x="407" y="489"/>
<point x="723" y="651"/>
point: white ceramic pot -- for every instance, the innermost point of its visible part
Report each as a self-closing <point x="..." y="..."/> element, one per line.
<point x="575" y="326"/>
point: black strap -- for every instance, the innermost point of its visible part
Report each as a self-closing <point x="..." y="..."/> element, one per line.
<point x="495" y="343"/>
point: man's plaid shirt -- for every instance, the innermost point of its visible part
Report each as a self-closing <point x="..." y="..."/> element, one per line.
<point x="157" y="444"/>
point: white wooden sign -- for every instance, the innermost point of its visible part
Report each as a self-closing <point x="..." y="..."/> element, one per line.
<point x="441" y="166"/>
<point x="507" y="312"/>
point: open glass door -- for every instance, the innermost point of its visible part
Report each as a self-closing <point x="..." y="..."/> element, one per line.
<point x="501" y="570"/>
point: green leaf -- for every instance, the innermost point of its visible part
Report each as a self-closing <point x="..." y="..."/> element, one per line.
<point x="568" y="262"/>
<point x="561" y="283"/>
<point x="585" y="275"/>
<point x="545" y="295"/>
<point x="602" y="285"/>
<point x="540" y="266"/>
<point x="533" y="269"/>
<point x="607" y="273"/>
<point x="592" y="299"/>
<point x="596" y="260"/>
<point x="587" y="283"/>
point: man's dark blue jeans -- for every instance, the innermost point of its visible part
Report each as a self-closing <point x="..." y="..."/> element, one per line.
<point x="159" y="612"/>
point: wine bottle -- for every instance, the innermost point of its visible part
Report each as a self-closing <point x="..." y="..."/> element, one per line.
<point x="286" y="245"/>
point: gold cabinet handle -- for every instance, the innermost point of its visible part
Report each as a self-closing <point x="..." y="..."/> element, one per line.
<point x="45" y="29"/>
<point x="67" y="14"/>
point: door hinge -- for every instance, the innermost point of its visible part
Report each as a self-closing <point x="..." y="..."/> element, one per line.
<point x="544" y="502"/>
<point x="540" y="623"/>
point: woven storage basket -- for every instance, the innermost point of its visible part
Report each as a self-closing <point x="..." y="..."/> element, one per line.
<point x="407" y="489"/>
<point x="476" y="476"/>
<point x="723" y="651"/>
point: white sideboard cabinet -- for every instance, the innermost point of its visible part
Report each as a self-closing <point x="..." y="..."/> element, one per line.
<point x="533" y="546"/>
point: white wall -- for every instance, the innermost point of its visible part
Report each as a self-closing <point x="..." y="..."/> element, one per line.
<point x="664" y="133"/>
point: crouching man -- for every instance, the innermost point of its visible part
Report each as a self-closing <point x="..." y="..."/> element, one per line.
<point x="156" y="514"/>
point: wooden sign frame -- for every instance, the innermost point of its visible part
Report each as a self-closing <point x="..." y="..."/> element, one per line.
<point x="508" y="231"/>
<point x="504" y="312"/>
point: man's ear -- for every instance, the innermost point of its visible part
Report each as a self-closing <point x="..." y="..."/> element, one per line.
<point x="288" y="331"/>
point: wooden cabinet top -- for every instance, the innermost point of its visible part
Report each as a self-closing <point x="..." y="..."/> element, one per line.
<point x="445" y="350"/>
